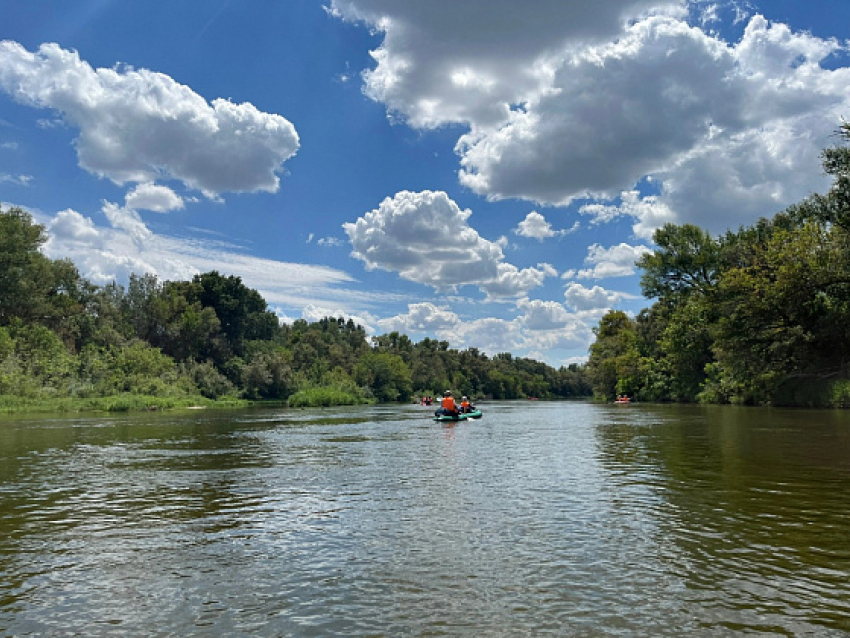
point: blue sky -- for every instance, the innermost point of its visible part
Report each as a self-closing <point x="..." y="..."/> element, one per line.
<point x="482" y="173"/>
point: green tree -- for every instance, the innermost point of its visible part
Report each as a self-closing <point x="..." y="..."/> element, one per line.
<point x="614" y="366"/>
<point x="33" y="287"/>
<point x="785" y="313"/>
<point x="138" y="367"/>
<point x="35" y="361"/>
<point x="386" y="375"/>
<point x="242" y="311"/>
<point x="687" y="260"/>
<point x="834" y="207"/>
<point x="188" y="331"/>
<point x="139" y="306"/>
<point x="395" y="343"/>
<point x="209" y="381"/>
<point x="686" y="347"/>
<point x="22" y="267"/>
<point x="268" y="376"/>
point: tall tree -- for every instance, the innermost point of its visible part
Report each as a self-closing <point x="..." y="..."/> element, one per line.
<point x="687" y="261"/>
<point x="614" y="364"/>
<point x="33" y="287"/>
<point x="834" y="207"/>
<point x="386" y="374"/>
<point x="21" y="264"/>
<point x="242" y="311"/>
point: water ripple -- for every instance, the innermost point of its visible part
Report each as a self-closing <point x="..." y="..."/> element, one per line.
<point x="545" y="519"/>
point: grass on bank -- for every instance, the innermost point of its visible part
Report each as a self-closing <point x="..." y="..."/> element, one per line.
<point x="118" y="403"/>
<point x="129" y="402"/>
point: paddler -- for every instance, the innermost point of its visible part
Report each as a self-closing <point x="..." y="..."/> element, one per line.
<point x="449" y="407"/>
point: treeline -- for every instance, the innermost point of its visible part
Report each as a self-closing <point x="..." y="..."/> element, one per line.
<point x="213" y="338"/>
<point x="760" y="316"/>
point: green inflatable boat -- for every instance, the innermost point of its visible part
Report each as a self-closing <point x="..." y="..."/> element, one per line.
<point x="475" y="414"/>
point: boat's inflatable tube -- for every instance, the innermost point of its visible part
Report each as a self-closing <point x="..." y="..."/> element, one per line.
<point x="475" y="414"/>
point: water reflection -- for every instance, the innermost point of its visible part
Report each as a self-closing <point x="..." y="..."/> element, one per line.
<point x="558" y="518"/>
<point x="754" y="518"/>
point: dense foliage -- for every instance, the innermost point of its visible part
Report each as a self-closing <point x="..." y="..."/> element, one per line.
<point x="214" y="338"/>
<point x="759" y="316"/>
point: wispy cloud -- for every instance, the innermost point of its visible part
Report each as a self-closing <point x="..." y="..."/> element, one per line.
<point x="127" y="245"/>
<point x="18" y="180"/>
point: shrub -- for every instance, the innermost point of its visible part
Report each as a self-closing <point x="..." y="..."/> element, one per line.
<point x="840" y="394"/>
<point x="324" y="397"/>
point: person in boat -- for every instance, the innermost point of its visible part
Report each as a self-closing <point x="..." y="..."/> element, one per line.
<point x="448" y="406"/>
<point x="465" y="405"/>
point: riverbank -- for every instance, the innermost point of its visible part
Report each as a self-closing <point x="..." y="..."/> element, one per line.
<point x="118" y="403"/>
<point x="310" y="398"/>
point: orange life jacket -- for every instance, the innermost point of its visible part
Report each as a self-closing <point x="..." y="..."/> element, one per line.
<point x="464" y="404"/>
<point x="449" y="403"/>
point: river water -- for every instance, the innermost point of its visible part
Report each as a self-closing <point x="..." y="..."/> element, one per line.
<point x="561" y="518"/>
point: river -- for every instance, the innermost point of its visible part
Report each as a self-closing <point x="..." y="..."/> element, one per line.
<point x="541" y="518"/>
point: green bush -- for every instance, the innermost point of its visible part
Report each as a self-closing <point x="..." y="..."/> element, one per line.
<point x="840" y="394"/>
<point x="208" y="381"/>
<point x="268" y="376"/>
<point x="324" y="397"/>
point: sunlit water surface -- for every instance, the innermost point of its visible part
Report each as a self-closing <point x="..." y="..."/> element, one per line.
<point x="563" y="519"/>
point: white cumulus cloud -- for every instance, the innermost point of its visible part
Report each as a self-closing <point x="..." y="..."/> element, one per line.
<point x="153" y="197"/>
<point x="731" y="132"/>
<point x="543" y="315"/>
<point x="538" y="326"/>
<point x="330" y="241"/>
<point x="616" y="261"/>
<point x="138" y="125"/>
<point x="586" y="100"/>
<point x="421" y="317"/>
<point x="490" y="335"/>
<point x="70" y="226"/>
<point x="443" y="61"/>
<point x="536" y="226"/>
<point x="425" y="237"/>
<point x="583" y="299"/>
<point x="649" y="212"/>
